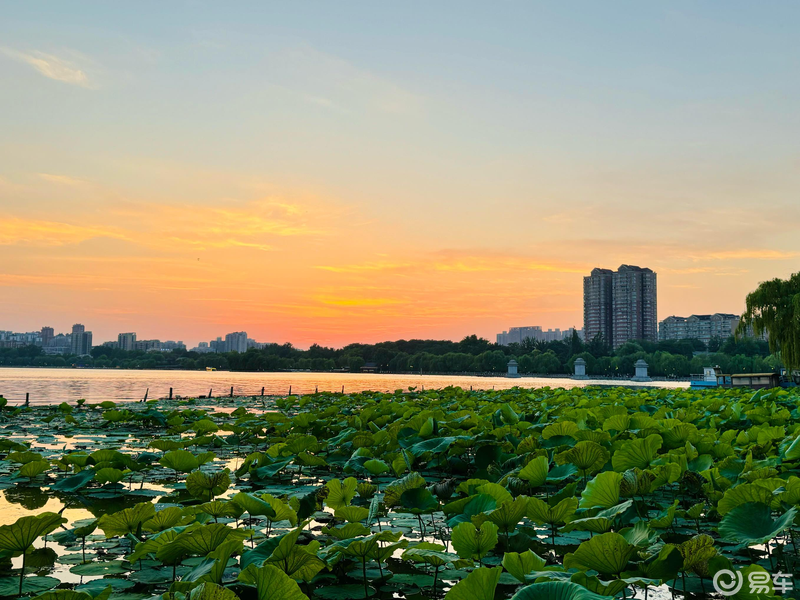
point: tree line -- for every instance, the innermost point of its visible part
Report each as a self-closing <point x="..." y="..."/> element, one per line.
<point x="470" y="355"/>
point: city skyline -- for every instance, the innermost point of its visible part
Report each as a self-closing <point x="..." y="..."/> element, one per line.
<point x="292" y="173"/>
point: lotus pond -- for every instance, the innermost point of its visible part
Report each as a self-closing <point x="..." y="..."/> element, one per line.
<point x="529" y="494"/>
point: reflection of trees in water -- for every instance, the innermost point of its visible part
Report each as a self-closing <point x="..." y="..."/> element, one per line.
<point x="31" y="498"/>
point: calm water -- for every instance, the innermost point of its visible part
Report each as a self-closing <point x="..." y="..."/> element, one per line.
<point x="47" y="386"/>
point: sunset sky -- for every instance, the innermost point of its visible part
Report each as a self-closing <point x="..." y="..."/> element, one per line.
<point x="339" y="172"/>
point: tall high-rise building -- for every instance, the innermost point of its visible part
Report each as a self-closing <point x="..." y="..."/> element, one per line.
<point x="126" y="341"/>
<point x="620" y="305"/>
<point x="81" y="342"/>
<point x="47" y="335"/>
<point x="598" y="316"/>
<point x="236" y="342"/>
<point x="634" y="305"/>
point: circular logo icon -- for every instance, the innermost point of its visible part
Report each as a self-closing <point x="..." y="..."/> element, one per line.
<point x="727" y="582"/>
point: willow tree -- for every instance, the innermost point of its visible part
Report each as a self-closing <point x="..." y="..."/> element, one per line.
<point x="774" y="307"/>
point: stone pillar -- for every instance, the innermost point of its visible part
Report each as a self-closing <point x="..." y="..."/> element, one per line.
<point x="580" y="369"/>
<point x="512" y="369"/>
<point x="641" y="371"/>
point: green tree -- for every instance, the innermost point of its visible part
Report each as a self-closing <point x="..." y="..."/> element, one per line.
<point x="774" y="307"/>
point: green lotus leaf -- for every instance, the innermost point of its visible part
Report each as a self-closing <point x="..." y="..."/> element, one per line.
<point x="544" y="514"/>
<point x="639" y="535"/>
<point x="618" y="423"/>
<point x="665" y="518"/>
<point x="181" y="461"/>
<point x="152" y="545"/>
<point x="601" y="522"/>
<point x="696" y="553"/>
<point x="392" y="493"/>
<point x="126" y="521"/>
<point x="752" y="524"/>
<point x="496" y="491"/>
<point x="33" y="469"/>
<point x="561" y="473"/>
<point x="212" y="591"/>
<point x="255" y="507"/>
<point x="480" y="584"/>
<point x="109" y="475"/>
<point x="10" y="586"/>
<point x="637" y="453"/>
<point x="340" y="493"/>
<point x="418" y="501"/>
<point x="376" y="467"/>
<point x="428" y="556"/>
<point x="344" y="532"/>
<point x="199" y="541"/>
<point x="472" y="542"/>
<point x="204" y="486"/>
<point x="75" y="482"/>
<point x="20" y="535"/>
<point x="509" y="514"/>
<point x="469" y="507"/>
<point x="587" y="456"/>
<point x="535" y="472"/>
<point x="665" y="565"/>
<point x="744" y="494"/>
<point x="283" y="512"/>
<point x="271" y="583"/>
<point x="24" y="457"/>
<point x="71" y="595"/>
<point x="602" y="491"/>
<point x="113" y="567"/>
<point x="560" y="428"/>
<point x="607" y="553"/>
<point x="352" y="514"/>
<point x="165" y="445"/>
<point x="164" y="519"/>
<point x="556" y="590"/>
<point x="520" y="564"/>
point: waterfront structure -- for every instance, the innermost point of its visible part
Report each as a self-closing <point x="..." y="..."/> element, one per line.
<point x="580" y="369"/>
<point x="517" y="335"/>
<point x="641" y="367"/>
<point x="621" y="305"/>
<point x="126" y="341"/>
<point x="81" y="340"/>
<point x="512" y="368"/>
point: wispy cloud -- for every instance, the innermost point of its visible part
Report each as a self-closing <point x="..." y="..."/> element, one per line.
<point x="50" y="233"/>
<point x="51" y="66"/>
<point x="61" y="179"/>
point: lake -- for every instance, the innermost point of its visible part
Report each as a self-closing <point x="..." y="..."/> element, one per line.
<point x="48" y="386"/>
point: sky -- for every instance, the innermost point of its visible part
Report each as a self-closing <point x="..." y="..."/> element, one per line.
<point x="357" y="172"/>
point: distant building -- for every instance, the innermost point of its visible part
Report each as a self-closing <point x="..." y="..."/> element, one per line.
<point x="621" y="305"/>
<point x="517" y="335"/>
<point x="202" y="348"/>
<point x="236" y="342"/>
<point x="81" y="340"/>
<point x="698" y="327"/>
<point x="217" y="345"/>
<point x="11" y="339"/>
<point x="171" y="346"/>
<point x="60" y="344"/>
<point x="47" y="335"/>
<point x="147" y="345"/>
<point x="126" y="341"/>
